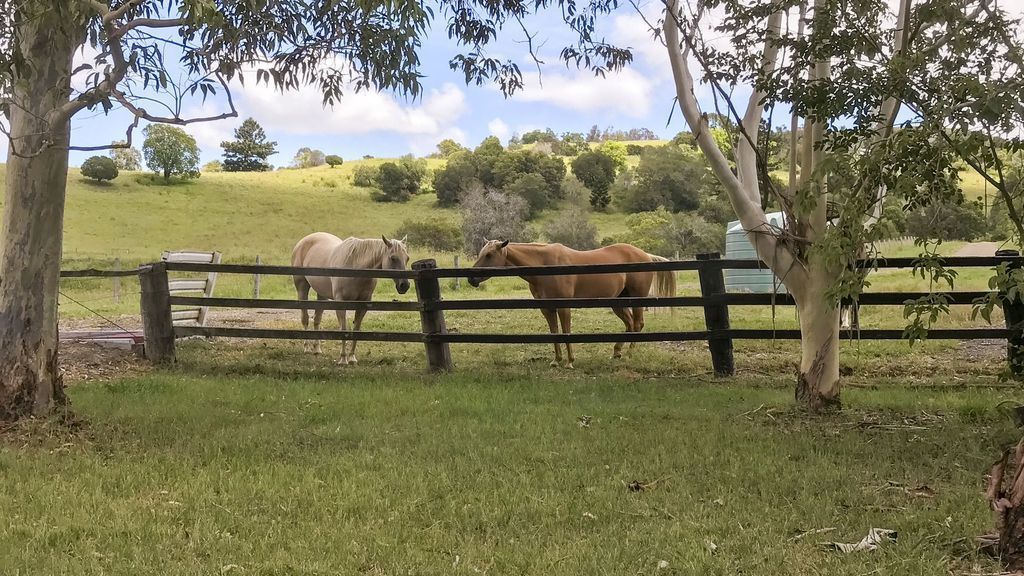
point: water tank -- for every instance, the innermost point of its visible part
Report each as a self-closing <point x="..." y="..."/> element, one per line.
<point x="738" y="246"/>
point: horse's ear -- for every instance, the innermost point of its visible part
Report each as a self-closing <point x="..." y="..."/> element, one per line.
<point x="504" y="244"/>
<point x="404" y="238"/>
<point x="386" y="241"/>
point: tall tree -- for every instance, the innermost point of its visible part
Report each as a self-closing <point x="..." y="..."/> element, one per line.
<point x="125" y="158"/>
<point x="170" y="151"/>
<point x="139" y="47"/>
<point x="249" y="151"/>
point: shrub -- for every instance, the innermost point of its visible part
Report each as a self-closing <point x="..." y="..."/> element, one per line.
<point x="716" y="209"/>
<point x="334" y="160"/>
<point x="661" y="232"/>
<point x="571" y="144"/>
<point x="572" y="228"/>
<point x="666" y="176"/>
<point x="493" y="215"/>
<point x="458" y="176"/>
<point x="533" y="189"/>
<point x="99" y="168"/>
<point x="435" y="232"/>
<point x="597" y="172"/>
<point x="616" y="151"/>
<point x="947" y="221"/>
<point x="397" y="182"/>
<point x="213" y="166"/>
<point x="126" y="158"/>
<point x="364" y="176"/>
<point x="575" y="193"/>
<point x="634" y="149"/>
<point x="509" y="167"/>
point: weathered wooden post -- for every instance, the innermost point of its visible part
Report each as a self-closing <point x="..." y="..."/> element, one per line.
<point x="117" y="281"/>
<point x="716" y="315"/>
<point x="1013" y="312"/>
<point x="157" y="326"/>
<point x="458" y="281"/>
<point x="428" y="293"/>
<point x="256" y="279"/>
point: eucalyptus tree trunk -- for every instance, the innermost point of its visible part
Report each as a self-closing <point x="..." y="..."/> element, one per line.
<point x="817" y="385"/>
<point x="33" y="215"/>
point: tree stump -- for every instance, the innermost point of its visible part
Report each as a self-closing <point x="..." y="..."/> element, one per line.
<point x="1007" y="499"/>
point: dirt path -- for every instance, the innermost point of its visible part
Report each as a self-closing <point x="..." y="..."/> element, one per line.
<point x="978" y="249"/>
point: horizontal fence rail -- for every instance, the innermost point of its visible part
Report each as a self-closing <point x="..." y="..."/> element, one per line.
<point x="160" y="332"/>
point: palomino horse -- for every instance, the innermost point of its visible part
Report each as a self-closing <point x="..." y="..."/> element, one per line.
<point x="323" y="250"/>
<point x="496" y="253"/>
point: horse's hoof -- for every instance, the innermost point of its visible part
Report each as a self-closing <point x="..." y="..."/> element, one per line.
<point x="554" y="363"/>
<point x="569" y="366"/>
<point x="616" y="356"/>
<point x="343" y="361"/>
<point x="353" y="361"/>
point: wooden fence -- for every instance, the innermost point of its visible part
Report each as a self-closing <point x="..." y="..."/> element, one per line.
<point x="160" y="333"/>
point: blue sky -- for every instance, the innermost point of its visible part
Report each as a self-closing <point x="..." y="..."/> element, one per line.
<point x="384" y="124"/>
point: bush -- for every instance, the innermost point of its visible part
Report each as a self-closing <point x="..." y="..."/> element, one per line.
<point x="99" y="168"/>
<point x="533" y="189"/>
<point x="213" y="166"/>
<point x="947" y="221"/>
<point x="661" y="232"/>
<point x="458" y="176"/>
<point x="364" y="176"/>
<point x="616" y="151"/>
<point x="597" y="172"/>
<point x="571" y="144"/>
<point x="572" y="228"/>
<point x="665" y="177"/>
<point x="126" y="158"/>
<point x="493" y="215"/>
<point x="509" y="167"/>
<point x="575" y="193"/>
<point x="309" y="158"/>
<point x="716" y="209"/>
<point x="398" y="182"/>
<point x="334" y="160"/>
<point x="634" y="149"/>
<point x="435" y="232"/>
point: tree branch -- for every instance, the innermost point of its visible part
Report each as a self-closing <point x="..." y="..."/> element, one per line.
<point x="747" y="208"/>
<point x="150" y="23"/>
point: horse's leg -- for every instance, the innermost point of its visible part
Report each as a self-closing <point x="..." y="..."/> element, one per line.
<point x="302" y="290"/>
<point x="318" y="315"/>
<point x="565" y="315"/>
<point x="638" y="323"/>
<point x="343" y="326"/>
<point x="357" y="323"/>
<point x="627" y="318"/>
<point x="552" y="319"/>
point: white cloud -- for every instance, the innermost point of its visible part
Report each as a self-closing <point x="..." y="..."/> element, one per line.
<point x="499" y="128"/>
<point x="3" y="148"/>
<point x="626" y="92"/>
<point x="302" y="112"/>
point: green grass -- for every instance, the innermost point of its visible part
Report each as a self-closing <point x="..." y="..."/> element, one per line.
<point x="382" y="470"/>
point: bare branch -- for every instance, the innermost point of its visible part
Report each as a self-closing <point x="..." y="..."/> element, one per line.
<point x="126" y="144"/>
<point x="529" y="44"/>
<point x="121" y="11"/>
<point x="149" y="23"/>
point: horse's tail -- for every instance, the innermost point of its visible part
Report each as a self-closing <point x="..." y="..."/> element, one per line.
<point x="664" y="285"/>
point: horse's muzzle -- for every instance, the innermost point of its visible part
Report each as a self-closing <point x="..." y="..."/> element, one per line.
<point x="474" y="281"/>
<point x="402" y="286"/>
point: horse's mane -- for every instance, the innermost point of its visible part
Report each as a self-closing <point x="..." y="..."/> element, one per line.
<point x="365" y="252"/>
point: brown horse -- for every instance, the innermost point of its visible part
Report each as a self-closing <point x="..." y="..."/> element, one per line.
<point x="496" y="253"/>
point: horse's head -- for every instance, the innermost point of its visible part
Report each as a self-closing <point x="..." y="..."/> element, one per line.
<point x="492" y="255"/>
<point x="396" y="257"/>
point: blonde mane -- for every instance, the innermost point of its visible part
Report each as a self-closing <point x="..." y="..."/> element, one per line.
<point x="369" y="252"/>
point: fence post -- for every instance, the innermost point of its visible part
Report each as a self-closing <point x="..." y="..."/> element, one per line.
<point x="1013" y="312"/>
<point x="117" y="281"/>
<point x="716" y="315"/>
<point x="428" y="293"/>
<point x="458" y="281"/>
<point x="256" y="279"/>
<point x="157" y="326"/>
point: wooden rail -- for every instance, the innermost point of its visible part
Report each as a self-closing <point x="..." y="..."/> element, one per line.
<point x="436" y="339"/>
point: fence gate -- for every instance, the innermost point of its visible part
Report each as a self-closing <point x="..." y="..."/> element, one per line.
<point x="195" y="316"/>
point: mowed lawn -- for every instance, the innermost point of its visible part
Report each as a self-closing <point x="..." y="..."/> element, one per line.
<point x="227" y="464"/>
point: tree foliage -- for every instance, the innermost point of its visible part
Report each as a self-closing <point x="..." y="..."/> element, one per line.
<point x="510" y="166"/>
<point x="447" y="148"/>
<point x="170" y="151"/>
<point x="572" y="228"/>
<point x="334" y="160"/>
<point x="666" y="177"/>
<point x="128" y="159"/>
<point x="99" y="168"/>
<point x="249" y="151"/>
<point x="457" y="177"/>
<point x="597" y="172"/>
<point x="398" y="182"/>
<point x="434" y="232"/>
<point x="309" y="158"/>
<point x="364" y="175"/>
<point x="662" y="232"/>
<point x="493" y="215"/>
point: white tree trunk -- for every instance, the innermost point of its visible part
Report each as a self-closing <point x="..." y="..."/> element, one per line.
<point x="817" y="385"/>
<point x="33" y="218"/>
